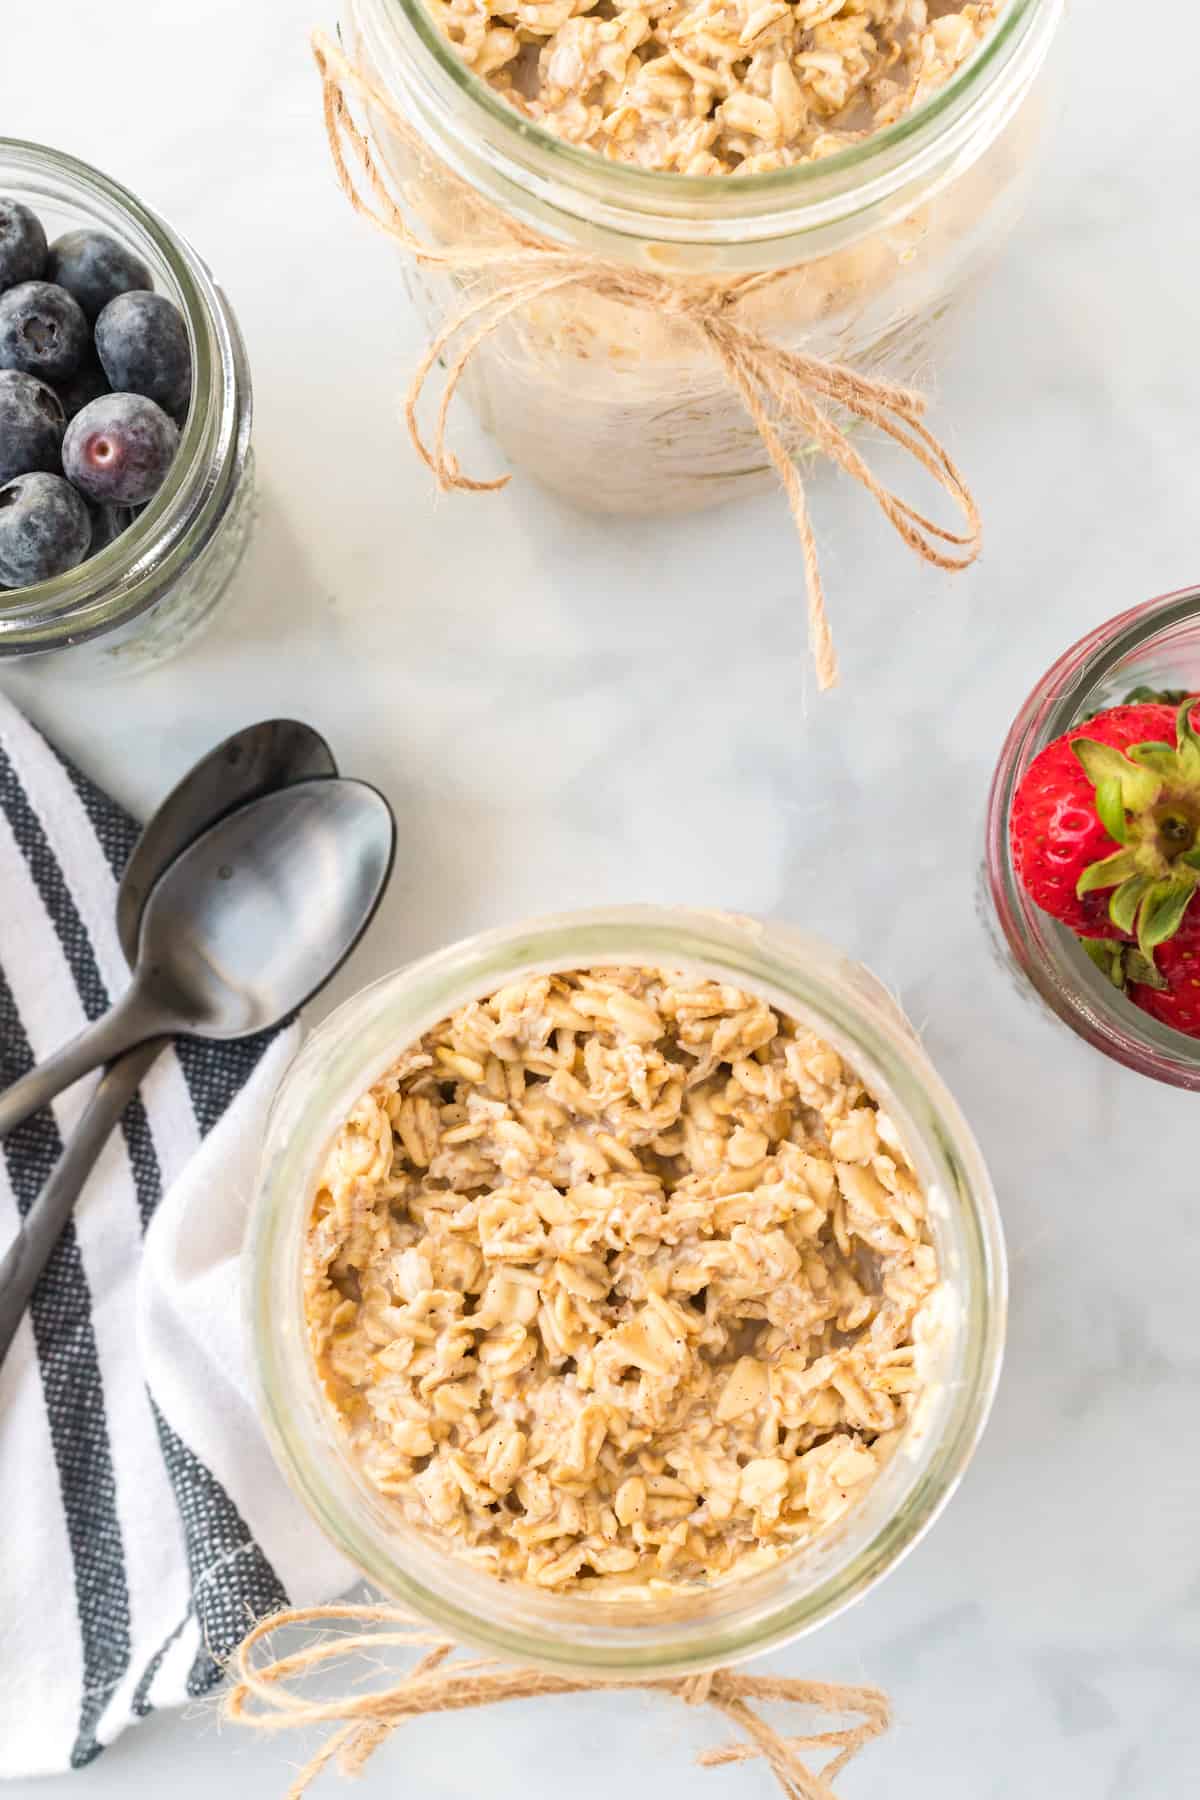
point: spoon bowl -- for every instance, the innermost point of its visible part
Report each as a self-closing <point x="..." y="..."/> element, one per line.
<point x="256" y="915"/>
<point x="256" y="761"/>
<point x="274" y="754"/>
<point x="241" y="929"/>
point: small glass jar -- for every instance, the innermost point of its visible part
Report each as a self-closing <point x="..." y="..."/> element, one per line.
<point x="1154" y="646"/>
<point x="855" y="258"/>
<point x="700" y="1627"/>
<point x="140" y="598"/>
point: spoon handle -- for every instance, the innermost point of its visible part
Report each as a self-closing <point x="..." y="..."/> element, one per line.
<point x="43" y="1225"/>
<point x="130" y="1022"/>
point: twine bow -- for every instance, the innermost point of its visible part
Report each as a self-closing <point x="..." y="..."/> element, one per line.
<point x="777" y="386"/>
<point x="445" y="1680"/>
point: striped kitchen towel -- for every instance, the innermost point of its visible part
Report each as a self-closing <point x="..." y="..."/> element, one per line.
<point x="144" y="1523"/>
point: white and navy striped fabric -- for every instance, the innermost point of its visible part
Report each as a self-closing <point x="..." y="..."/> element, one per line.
<point x="144" y="1524"/>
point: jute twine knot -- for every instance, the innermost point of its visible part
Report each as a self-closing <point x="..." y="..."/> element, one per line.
<point x="785" y="392"/>
<point x="443" y="1679"/>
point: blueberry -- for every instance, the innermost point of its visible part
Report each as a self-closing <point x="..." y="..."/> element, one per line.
<point x="108" y="522"/>
<point x="143" y="344"/>
<point x="118" y="449"/>
<point x="95" y="269"/>
<point x="42" y="331"/>
<point x="32" y="422"/>
<point x="45" y="529"/>
<point x="87" y="383"/>
<point x="22" y="244"/>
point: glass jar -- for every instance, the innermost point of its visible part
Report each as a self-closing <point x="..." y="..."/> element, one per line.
<point x="698" y="1628"/>
<point x="1156" y="646"/>
<point x="855" y="258"/>
<point x="139" y="599"/>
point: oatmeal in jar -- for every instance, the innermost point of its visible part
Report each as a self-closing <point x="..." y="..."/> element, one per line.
<point x="615" y="131"/>
<point x="619" y="1277"/>
<point x="713" y="87"/>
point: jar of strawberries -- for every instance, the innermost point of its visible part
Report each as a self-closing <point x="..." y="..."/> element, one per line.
<point x="1093" y="839"/>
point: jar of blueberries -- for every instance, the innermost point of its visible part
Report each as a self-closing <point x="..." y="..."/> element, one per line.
<point x="126" y="481"/>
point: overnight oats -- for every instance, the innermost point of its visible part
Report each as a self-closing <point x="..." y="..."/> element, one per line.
<point x="618" y="1276"/>
<point x="626" y="1290"/>
<point x="716" y="87"/>
<point x="826" y="177"/>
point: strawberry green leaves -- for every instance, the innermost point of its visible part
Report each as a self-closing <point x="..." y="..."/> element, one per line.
<point x="1112" y="872"/>
<point x="1188" y="742"/>
<point x="1158" y="757"/>
<point x="1125" y="905"/>
<point x="1147" y="797"/>
<point x="1161" y="913"/>
<point x="1109" y="958"/>
<point x="1122" y="963"/>
<point x="1106" y="766"/>
<point x="1110" y="805"/>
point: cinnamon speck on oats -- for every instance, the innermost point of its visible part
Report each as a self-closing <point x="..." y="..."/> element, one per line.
<point x="617" y="1278"/>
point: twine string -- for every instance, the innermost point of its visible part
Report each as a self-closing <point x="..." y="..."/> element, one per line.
<point x="268" y="1696"/>
<point x="781" y="390"/>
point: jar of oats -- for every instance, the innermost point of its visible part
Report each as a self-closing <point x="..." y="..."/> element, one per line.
<point x="625" y="1289"/>
<point x="836" y="171"/>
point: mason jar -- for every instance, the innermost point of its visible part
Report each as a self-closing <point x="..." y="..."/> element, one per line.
<point x="694" y="1628"/>
<point x="1154" y="646"/>
<point x="856" y="258"/>
<point x="141" y="597"/>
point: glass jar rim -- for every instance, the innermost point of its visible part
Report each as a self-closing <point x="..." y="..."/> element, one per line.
<point x="1045" y="952"/>
<point x="129" y="574"/>
<point x="801" y="975"/>
<point x="803" y="196"/>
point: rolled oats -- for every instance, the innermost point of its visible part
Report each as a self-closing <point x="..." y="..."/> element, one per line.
<point x="707" y="87"/>
<point x="617" y="1277"/>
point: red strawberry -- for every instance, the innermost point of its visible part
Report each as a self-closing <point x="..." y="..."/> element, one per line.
<point x="1169" y="986"/>
<point x="1055" y="831"/>
<point x="1177" y="1001"/>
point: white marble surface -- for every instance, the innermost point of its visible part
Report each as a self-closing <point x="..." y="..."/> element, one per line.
<point x="567" y="710"/>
